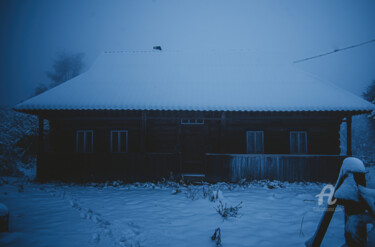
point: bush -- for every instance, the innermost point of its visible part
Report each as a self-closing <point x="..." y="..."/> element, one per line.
<point x="226" y="211"/>
<point x="217" y="236"/>
<point x="192" y="193"/>
<point x="18" y="135"/>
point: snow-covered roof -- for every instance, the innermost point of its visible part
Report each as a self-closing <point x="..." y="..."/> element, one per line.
<point x="197" y="81"/>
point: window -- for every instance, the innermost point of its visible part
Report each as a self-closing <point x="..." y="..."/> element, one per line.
<point x="192" y="121"/>
<point x="84" y="141"/>
<point x="119" y="141"/>
<point x="255" y="142"/>
<point x="298" y="142"/>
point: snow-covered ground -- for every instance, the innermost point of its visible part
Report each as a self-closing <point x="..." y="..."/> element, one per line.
<point x="165" y="214"/>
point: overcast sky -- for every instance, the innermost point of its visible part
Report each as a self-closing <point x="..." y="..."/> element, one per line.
<point x="33" y="31"/>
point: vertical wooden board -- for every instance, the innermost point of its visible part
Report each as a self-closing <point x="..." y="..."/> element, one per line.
<point x="271" y="166"/>
<point x="251" y="169"/>
<point x="283" y="168"/>
<point x="258" y="165"/>
<point x="297" y="167"/>
<point x="248" y="165"/>
<point x="235" y="168"/>
<point x="263" y="166"/>
<point x="288" y="172"/>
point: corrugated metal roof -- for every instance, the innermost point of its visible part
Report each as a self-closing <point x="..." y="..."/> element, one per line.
<point x="198" y="81"/>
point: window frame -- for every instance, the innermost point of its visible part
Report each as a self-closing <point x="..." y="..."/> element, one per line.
<point x="119" y="141"/>
<point x="192" y="121"/>
<point x="247" y="141"/>
<point x="298" y="132"/>
<point x="84" y="141"/>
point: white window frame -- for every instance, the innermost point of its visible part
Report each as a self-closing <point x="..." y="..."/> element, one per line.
<point x="247" y="143"/>
<point x="119" y="141"/>
<point x="192" y="121"/>
<point x="85" y="132"/>
<point x="298" y="142"/>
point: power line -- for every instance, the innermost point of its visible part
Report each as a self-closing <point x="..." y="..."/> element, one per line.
<point x="336" y="50"/>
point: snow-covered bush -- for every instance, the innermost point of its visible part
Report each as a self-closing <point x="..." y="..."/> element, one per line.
<point x="192" y="193"/>
<point x="216" y="195"/>
<point x="206" y="191"/>
<point x="226" y="211"/>
<point x="18" y="135"/>
<point x="176" y="191"/>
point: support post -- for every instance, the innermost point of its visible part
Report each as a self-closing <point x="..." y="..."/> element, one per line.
<point x="144" y="132"/>
<point x="349" y="135"/>
<point x="145" y="161"/>
<point x="355" y="209"/>
<point x="222" y="129"/>
<point x="179" y="144"/>
<point x="40" y="146"/>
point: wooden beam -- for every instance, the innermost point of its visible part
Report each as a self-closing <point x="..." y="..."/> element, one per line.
<point x="349" y="135"/>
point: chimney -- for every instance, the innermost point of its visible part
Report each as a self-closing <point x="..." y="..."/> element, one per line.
<point x="158" y="48"/>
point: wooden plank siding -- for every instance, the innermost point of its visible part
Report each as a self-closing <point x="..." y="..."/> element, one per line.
<point x="130" y="167"/>
<point x="162" y="132"/>
<point x="322" y="137"/>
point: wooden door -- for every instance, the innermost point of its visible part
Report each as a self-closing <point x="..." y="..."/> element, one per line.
<point x="193" y="145"/>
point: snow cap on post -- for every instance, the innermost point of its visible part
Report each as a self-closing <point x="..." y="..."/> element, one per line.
<point x="352" y="165"/>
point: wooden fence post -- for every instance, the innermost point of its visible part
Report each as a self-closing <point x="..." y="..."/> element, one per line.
<point x="352" y="174"/>
<point x="355" y="232"/>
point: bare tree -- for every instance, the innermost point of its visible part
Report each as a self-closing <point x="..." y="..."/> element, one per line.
<point x="369" y="94"/>
<point x="65" y="67"/>
<point x="40" y="89"/>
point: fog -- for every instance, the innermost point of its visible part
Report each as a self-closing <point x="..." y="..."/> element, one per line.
<point x="34" y="31"/>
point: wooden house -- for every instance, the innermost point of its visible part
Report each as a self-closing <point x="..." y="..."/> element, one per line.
<point x="225" y="116"/>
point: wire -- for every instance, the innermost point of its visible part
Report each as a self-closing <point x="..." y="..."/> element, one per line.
<point x="336" y="50"/>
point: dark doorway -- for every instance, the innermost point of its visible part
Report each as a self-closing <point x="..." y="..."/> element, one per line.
<point x="193" y="143"/>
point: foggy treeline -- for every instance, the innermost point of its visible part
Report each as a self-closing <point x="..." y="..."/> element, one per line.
<point x="65" y="67"/>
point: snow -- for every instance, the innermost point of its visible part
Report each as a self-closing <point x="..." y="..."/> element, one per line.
<point x="280" y="214"/>
<point x="352" y="164"/>
<point x="205" y="81"/>
<point x="168" y="214"/>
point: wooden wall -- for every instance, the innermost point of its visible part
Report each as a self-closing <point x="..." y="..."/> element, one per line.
<point x="131" y="167"/>
<point x="162" y="131"/>
<point x="323" y="136"/>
